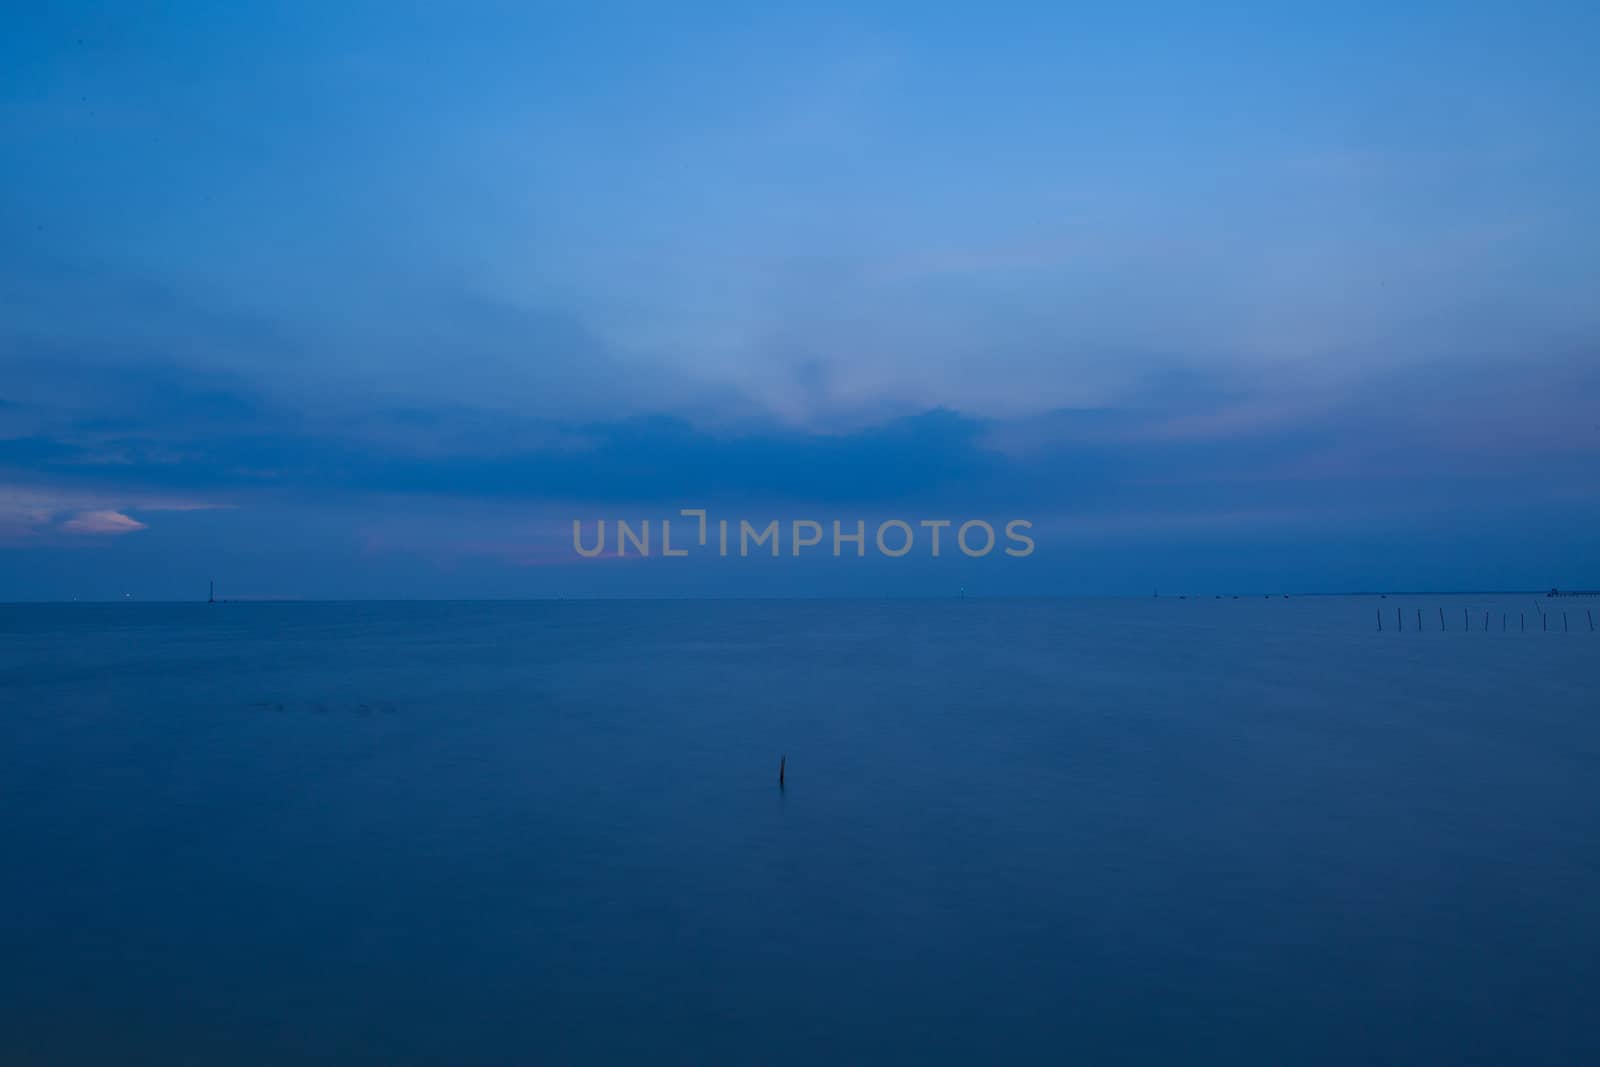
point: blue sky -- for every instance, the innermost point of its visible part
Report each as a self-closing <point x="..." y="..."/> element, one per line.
<point x="359" y="300"/>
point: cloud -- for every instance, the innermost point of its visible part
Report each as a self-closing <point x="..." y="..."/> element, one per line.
<point x="110" y="523"/>
<point x="1180" y="436"/>
<point x="35" y="514"/>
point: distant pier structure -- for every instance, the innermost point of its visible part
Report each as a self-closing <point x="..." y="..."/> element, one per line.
<point x="1546" y="619"/>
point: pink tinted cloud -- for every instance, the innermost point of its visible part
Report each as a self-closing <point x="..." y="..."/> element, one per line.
<point x="35" y="514"/>
<point x="102" y="523"/>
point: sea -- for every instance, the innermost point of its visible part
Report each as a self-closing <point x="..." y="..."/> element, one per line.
<point x="1233" y="831"/>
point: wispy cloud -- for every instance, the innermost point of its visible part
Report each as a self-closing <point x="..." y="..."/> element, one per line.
<point x="31" y="514"/>
<point x="102" y="523"/>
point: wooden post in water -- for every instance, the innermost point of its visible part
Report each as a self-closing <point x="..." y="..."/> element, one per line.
<point x="1419" y="620"/>
<point x="1466" y="621"/>
<point x="1502" y="622"/>
<point x="1380" y="620"/>
<point x="1441" y="618"/>
<point x="1590" y="612"/>
<point x="1564" y="622"/>
<point x="782" y="762"/>
<point x="1544" y="617"/>
<point x="1399" y="622"/>
<point x="1524" y="616"/>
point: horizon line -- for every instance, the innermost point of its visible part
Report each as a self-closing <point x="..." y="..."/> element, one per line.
<point x="270" y="599"/>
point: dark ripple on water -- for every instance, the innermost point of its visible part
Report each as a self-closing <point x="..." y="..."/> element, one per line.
<point x="326" y="707"/>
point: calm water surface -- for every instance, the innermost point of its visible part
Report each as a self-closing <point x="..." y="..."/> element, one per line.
<point x="1101" y="832"/>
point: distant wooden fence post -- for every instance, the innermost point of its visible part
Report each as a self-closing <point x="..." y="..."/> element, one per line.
<point x="1466" y="620"/>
